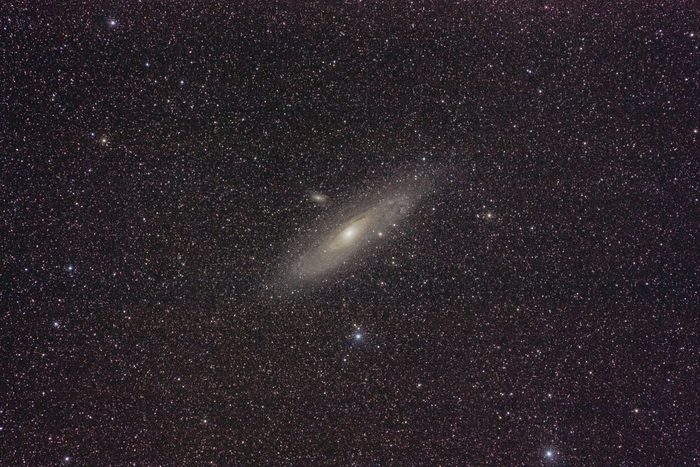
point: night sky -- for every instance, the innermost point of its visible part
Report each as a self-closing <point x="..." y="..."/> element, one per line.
<point x="164" y="162"/>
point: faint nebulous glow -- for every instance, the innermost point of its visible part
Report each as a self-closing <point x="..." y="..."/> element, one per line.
<point x="318" y="198"/>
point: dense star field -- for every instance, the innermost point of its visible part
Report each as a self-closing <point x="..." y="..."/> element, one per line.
<point x="164" y="162"/>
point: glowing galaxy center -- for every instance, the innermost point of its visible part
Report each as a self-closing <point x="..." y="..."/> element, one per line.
<point x="349" y="233"/>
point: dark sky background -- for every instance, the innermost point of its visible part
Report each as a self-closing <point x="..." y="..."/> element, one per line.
<point x="539" y="308"/>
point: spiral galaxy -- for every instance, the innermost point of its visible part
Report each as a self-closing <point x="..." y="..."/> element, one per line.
<point x="359" y="226"/>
